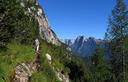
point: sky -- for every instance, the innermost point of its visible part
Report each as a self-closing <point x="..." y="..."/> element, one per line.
<point x="71" y="18"/>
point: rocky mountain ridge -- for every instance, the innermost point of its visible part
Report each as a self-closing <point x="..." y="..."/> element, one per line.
<point x="86" y="46"/>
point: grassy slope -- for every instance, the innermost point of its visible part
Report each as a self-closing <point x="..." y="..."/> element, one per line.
<point x="62" y="60"/>
<point x="16" y="53"/>
<point x="46" y="73"/>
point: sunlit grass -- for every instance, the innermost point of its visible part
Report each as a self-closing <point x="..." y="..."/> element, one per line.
<point x="15" y="54"/>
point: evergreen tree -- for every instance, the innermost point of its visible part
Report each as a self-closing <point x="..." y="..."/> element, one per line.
<point x="15" y="24"/>
<point x="100" y="70"/>
<point x="4" y="28"/>
<point x="117" y="34"/>
<point x="118" y="22"/>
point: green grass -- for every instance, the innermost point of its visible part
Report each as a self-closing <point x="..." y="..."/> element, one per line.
<point x="46" y="73"/>
<point x="15" y="54"/>
<point x="18" y="53"/>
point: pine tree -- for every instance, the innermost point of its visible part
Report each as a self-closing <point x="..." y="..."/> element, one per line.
<point x="100" y="70"/>
<point x="117" y="34"/>
<point x="118" y="22"/>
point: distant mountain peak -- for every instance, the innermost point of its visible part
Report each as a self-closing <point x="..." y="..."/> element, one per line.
<point x="86" y="46"/>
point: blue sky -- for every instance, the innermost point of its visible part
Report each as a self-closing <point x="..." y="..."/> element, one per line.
<point x="70" y="18"/>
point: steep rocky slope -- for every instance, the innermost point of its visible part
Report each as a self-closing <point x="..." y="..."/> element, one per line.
<point x="44" y="28"/>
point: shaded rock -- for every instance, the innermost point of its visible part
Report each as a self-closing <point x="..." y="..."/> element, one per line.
<point x="62" y="77"/>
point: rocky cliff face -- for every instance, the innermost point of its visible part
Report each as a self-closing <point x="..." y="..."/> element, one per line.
<point x="45" y="31"/>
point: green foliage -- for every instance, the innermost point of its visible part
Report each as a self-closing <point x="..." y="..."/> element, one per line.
<point x="74" y="66"/>
<point x="46" y="72"/>
<point x="16" y="53"/>
<point x="15" y="24"/>
<point x="78" y="72"/>
<point x="4" y="30"/>
<point x="117" y="34"/>
<point x="100" y="70"/>
<point x="119" y="61"/>
<point x="62" y="60"/>
<point x="45" y="75"/>
<point x="118" y="21"/>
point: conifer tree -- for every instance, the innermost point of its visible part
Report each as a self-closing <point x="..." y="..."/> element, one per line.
<point x="117" y="34"/>
<point x="118" y="21"/>
<point x="100" y="70"/>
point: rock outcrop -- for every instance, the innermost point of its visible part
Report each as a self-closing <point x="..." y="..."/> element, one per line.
<point x="45" y="31"/>
<point x="49" y="58"/>
<point x="62" y="77"/>
<point x="24" y="71"/>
